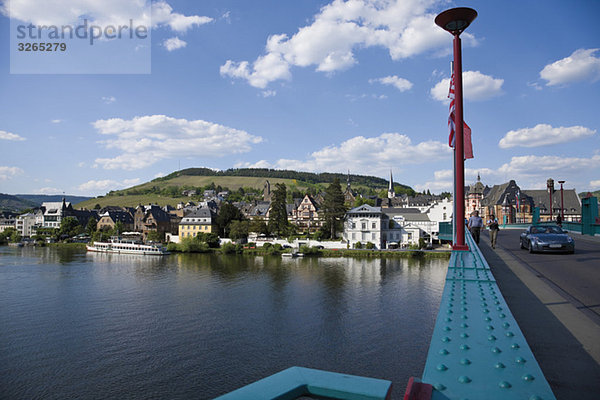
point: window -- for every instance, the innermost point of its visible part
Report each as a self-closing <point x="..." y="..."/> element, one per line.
<point x="364" y="225"/>
<point x="374" y="225"/>
<point x="353" y="225"/>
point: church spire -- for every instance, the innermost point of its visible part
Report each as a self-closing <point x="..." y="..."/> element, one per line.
<point x="391" y="193"/>
<point x="348" y="181"/>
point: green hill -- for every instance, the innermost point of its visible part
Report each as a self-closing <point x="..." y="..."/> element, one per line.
<point x="244" y="183"/>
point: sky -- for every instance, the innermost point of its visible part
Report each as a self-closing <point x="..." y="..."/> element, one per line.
<point x="320" y="86"/>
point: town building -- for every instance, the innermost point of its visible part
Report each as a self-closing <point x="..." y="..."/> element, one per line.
<point x="306" y="215"/>
<point x="26" y="224"/>
<point x="109" y="219"/>
<point x="474" y="195"/>
<point x="202" y="220"/>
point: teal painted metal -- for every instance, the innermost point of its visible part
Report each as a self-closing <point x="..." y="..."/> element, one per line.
<point x="477" y="350"/>
<point x="536" y="215"/>
<point x="445" y="231"/>
<point x="294" y="382"/>
<point x="589" y="215"/>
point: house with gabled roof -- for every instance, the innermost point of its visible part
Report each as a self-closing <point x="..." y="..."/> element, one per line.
<point x="201" y="220"/>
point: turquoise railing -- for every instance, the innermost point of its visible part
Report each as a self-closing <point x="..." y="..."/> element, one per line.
<point x="295" y="382"/>
<point x="477" y="350"/>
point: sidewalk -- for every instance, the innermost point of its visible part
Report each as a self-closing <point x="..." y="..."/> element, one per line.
<point x="565" y="342"/>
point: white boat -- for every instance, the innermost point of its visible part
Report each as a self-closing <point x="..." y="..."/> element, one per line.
<point x="293" y="255"/>
<point x="126" y="246"/>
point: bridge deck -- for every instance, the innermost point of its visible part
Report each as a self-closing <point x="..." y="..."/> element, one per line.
<point x="477" y="350"/>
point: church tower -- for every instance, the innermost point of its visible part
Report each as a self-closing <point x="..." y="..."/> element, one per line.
<point x="391" y="193"/>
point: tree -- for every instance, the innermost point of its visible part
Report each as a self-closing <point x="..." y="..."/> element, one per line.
<point x="69" y="226"/>
<point x="238" y="230"/>
<point x="154" y="236"/>
<point x="333" y="208"/>
<point x="278" y="222"/>
<point x="91" y="226"/>
<point x="118" y="229"/>
<point x="363" y="200"/>
<point x="227" y="213"/>
<point x="259" y="226"/>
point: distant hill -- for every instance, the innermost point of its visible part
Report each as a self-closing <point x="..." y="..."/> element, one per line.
<point x="13" y="203"/>
<point x="20" y="202"/>
<point x="595" y="194"/>
<point x="38" y="199"/>
<point x="167" y="189"/>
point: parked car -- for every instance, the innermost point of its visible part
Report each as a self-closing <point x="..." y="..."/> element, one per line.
<point x="538" y="238"/>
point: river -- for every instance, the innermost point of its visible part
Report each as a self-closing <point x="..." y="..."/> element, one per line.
<point x="194" y="326"/>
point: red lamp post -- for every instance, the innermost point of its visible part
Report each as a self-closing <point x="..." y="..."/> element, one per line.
<point x="562" y="203"/>
<point x="455" y="21"/>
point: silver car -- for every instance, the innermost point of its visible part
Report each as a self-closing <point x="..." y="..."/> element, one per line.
<point x="538" y="238"/>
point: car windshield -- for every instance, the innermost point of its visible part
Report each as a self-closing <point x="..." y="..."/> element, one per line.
<point x="546" y="229"/>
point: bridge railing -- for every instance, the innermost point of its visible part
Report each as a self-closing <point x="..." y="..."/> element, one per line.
<point x="477" y="349"/>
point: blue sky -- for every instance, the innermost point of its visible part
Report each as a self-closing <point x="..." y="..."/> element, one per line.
<point x="314" y="86"/>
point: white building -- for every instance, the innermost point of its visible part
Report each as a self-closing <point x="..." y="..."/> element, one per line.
<point x="26" y="224"/>
<point x="364" y="224"/>
<point x="54" y="213"/>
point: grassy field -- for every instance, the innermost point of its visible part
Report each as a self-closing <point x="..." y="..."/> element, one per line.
<point x="131" y="201"/>
<point x="231" y="182"/>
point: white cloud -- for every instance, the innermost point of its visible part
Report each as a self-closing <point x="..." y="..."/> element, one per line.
<point x="10" y="136"/>
<point x="543" y="165"/>
<point x="143" y="141"/>
<point x="476" y="86"/>
<point x="443" y="180"/>
<point x="268" y="93"/>
<point x="399" y="83"/>
<point x="96" y="186"/>
<point x="174" y="43"/>
<point x="543" y="135"/>
<point x="594" y="185"/>
<point x="103" y="13"/>
<point x="579" y="66"/>
<point x="7" y="173"/>
<point x="109" y="99"/>
<point x="56" y="121"/>
<point x="404" y="27"/>
<point x="49" y="190"/>
<point x="370" y="155"/>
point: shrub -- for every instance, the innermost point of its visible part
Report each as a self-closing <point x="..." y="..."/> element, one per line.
<point x="358" y="245"/>
<point x="370" y="246"/>
<point x="229" y="248"/>
<point x="172" y="247"/>
<point x="306" y="250"/>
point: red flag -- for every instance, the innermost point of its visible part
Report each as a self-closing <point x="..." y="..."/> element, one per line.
<point x="467" y="144"/>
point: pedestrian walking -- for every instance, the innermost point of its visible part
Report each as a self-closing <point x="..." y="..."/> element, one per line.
<point x="475" y="224"/>
<point x="492" y="225"/>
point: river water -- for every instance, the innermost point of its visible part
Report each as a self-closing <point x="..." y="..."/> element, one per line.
<point x="194" y="326"/>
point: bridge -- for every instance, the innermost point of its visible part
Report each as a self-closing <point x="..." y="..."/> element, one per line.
<point x="477" y="350"/>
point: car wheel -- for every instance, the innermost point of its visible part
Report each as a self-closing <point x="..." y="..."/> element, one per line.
<point x="531" y="247"/>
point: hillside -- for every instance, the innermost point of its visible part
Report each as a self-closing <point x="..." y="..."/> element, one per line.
<point x="13" y="203"/>
<point x="595" y="194"/>
<point x="167" y="189"/>
<point x="20" y="202"/>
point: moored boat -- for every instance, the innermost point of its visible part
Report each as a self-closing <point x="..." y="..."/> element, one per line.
<point x="126" y="246"/>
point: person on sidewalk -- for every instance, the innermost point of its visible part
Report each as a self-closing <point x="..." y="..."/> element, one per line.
<point x="475" y="224"/>
<point x="492" y="225"/>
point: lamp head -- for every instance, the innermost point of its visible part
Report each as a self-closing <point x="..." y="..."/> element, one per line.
<point x="456" y="20"/>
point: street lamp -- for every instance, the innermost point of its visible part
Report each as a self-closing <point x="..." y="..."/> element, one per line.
<point x="562" y="203"/>
<point x="455" y="21"/>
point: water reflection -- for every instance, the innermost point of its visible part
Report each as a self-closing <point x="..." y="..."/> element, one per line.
<point x="199" y="325"/>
